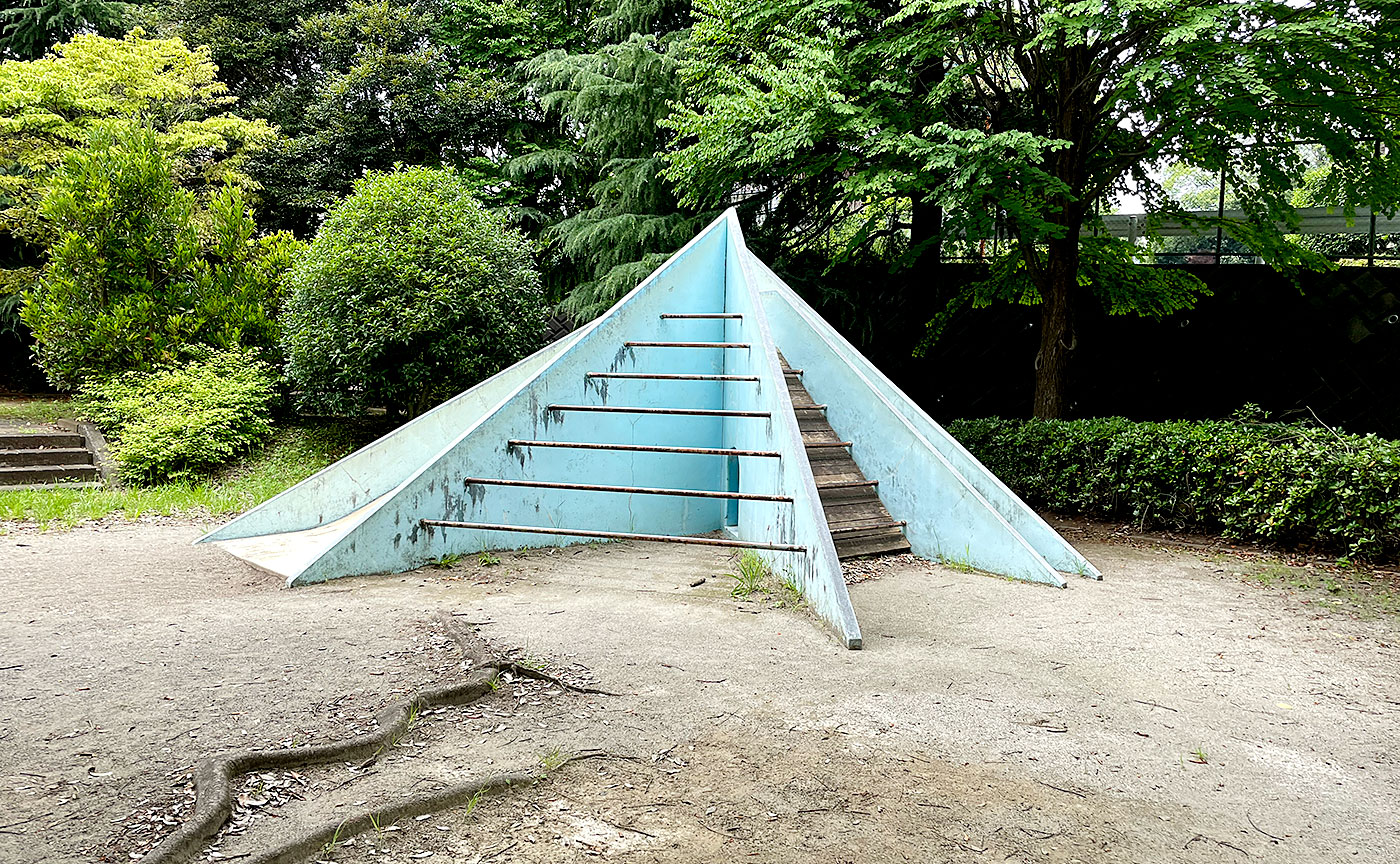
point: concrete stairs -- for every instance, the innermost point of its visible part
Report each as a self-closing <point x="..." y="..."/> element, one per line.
<point x="46" y="458"/>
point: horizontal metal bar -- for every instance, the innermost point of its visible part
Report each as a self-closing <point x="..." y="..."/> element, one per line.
<point x="848" y="484"/>
<point x="686" y="344"/>
<point x="821" y="407"/>
<point x="615" y="535"/>
<point x="635" y="490"/>
<point x="690" y="412"/>
<point x="645" y="448"/>
<point x="877" y="527"/>
<point x="703" y="315"/>
<point x="793" y="371"/>
<point x="825" y="444"/>
<point x="652" y="376"/>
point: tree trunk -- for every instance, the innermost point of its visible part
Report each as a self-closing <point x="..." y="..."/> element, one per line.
<point x="1057" y="336"/>
<point x="927" y="225"/>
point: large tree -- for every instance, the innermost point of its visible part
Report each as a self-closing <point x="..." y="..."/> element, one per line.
<point x="51" y="106"/>
<point x="356" y="86"/>
<point x="1044" y="109"/>
<point x="609" y="98"/>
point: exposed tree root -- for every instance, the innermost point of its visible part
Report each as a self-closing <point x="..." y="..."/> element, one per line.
<point x="319" y="839"/>
<point x="214" y="776"/>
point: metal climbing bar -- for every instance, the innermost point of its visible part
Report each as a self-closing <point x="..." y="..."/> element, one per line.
<point x="654" y="376"/>
<point x="702" y="315"/>
<point x="813" y="444"/>
<point x="848" y="484"/>
<point x="686" y="344"/>
<point x="688" y="412"/>
<point x="614" y="535"/>
<point x="645" y="448"/>
<point x="634" y="490"/>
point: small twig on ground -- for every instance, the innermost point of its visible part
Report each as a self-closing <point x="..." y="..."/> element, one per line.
<point x="1062" y="789"/>
<point x="1203" y="838"/>
<point x="1155" y="704"/>
<point x="1261" y="830"/>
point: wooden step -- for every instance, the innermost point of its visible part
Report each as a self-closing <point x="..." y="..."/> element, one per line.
<point x="45" y="456"/>
<point x="26" y="474"/>
<point x="858" y="521"/>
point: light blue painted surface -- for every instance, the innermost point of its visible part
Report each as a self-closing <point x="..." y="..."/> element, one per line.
<point x="919" y="465"/>
<point x="423" y="470"/>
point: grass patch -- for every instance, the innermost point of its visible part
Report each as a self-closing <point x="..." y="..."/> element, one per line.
<point x="1340" y="589"/>
<point x="36" y="410"/>
<point x="294" y="454"/>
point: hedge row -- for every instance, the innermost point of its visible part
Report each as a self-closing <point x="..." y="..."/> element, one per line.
<point x="1288" y="483"/>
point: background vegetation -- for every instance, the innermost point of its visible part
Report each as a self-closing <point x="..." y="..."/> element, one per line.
<point x="384" y="198"/>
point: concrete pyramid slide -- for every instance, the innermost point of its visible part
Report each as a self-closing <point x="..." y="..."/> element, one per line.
<point x="670" y="418"/>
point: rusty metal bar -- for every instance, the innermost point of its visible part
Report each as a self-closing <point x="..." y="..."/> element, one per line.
<point x="660" y="377"/>
<point x="877" y="527"/>
<point x="645" y="448"/>
<point x="826" y="444"/>
<point x="703" y="315"/>
<point x="689" y="412"/>
<point x="615" y="535"/>
<point x="637" y="490"/>
<point x="686" y="344"/>
<point x="797" y="372"/>
<point x="848" y="484"/>
<point x="821" y="407"/>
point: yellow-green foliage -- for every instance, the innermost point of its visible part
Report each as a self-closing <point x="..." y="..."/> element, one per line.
<point x="181" y="422"/>
<point x="49" y="106"/>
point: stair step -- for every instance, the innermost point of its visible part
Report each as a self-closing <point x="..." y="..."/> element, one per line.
<point x="32" y="440"/>
<point x="878" y="544"/>
<point x="13" y="476"/>
<point x="857" y="519"/>
<point x="46" y="456"/>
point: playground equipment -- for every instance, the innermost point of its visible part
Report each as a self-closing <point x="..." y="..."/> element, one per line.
<point x="710" y="406"/>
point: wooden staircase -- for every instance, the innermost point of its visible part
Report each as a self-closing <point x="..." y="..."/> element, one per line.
<point x="860" y="524"/>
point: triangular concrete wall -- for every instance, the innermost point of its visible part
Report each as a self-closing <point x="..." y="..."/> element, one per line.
<point x="574" y="415"/>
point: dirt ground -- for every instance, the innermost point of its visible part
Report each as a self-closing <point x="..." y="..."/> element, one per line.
<point x="1174" y="712"/>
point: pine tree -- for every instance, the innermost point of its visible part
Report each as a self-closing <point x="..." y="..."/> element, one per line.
<point x="610" y="102"/>
<point x="31" y="27"/>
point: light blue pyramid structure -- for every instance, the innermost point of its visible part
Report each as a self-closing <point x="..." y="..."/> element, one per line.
<point x="673" y="417"/>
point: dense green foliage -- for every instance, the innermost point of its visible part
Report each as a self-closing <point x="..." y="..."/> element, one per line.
<point x="179" y="422"/>
<point x="411" y="292"/>
<point x="1289" y="483"/>
<point x="616" y="96"/>
<point x="50" y="107"/>
<point x="138" y="271"/>
<point x="28" y="28"/>
<point x="1026" y="116"/>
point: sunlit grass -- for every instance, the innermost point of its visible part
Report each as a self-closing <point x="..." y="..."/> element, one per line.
<point x="36" y="410"/>
<point x="294" y="454"/>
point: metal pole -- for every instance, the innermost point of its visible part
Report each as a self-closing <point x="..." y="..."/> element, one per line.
<point x="1220" y="217"/>
<point x="1371" y="249"/>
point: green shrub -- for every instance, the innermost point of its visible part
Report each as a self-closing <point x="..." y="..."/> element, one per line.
<point x="410" y="292"/>
<point x="179" y="422"/>
<point x="138" y="270"/>
<point x="1288" y="483"/>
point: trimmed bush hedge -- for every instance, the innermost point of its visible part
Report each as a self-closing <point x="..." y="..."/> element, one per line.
<point x="181" y="422"/>
<point x="1287" y="483"/>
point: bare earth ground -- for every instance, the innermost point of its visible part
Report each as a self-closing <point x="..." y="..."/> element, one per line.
<point x="1172" y="713"/>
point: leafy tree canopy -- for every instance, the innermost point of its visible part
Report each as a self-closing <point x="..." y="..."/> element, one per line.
<point x="49" y="108"/>
<point x="1029" y="113"/>
<point x="31" y="27"/>
<point x="611" y="102"/>
<point x="139" y="272"/>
